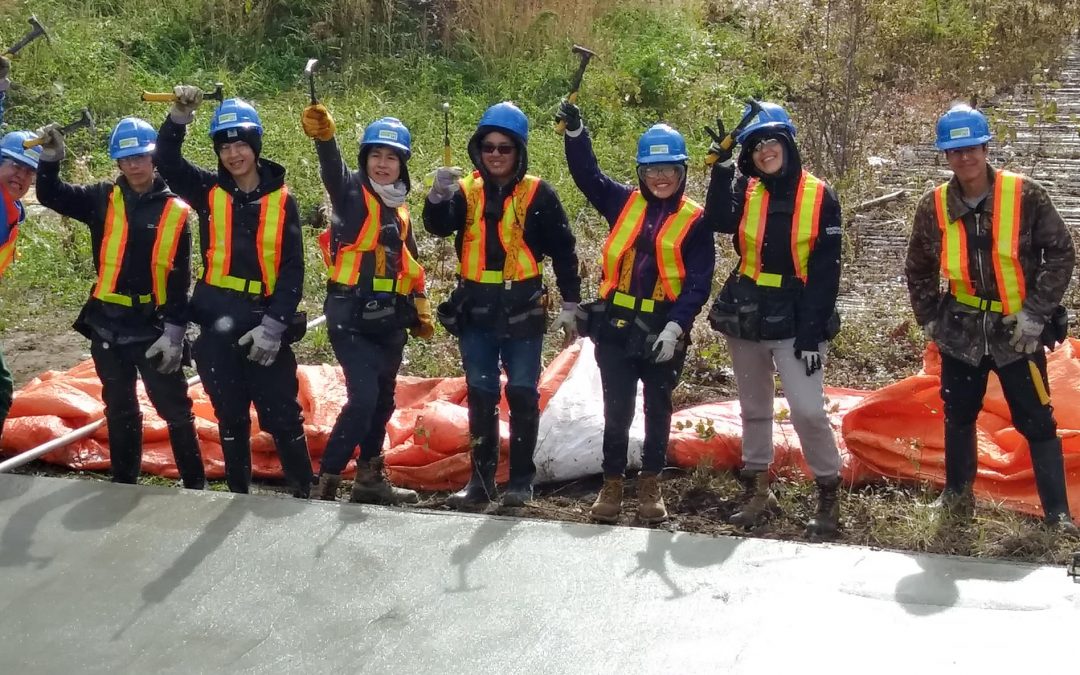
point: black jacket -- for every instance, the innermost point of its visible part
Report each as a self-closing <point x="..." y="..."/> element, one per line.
<point x="90" y="204"/>
<point x="209" y="303"/>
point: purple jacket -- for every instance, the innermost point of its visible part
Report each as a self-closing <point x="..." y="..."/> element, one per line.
<point x="609" y="197"/>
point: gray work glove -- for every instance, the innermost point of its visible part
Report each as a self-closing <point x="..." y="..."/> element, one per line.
<point x="1027" y="333"/>
<point x="170" y="347"/>
<point x="445" y="185"/>
<point x="188" y="98"/>
<point x="567" y="321"/>
<point x="265" y="341"/>
<point x="53" y="149"/>
<point x="664" y="348"/>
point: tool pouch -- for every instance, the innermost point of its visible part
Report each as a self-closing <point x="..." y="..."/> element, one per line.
<point x="590" y="317"/>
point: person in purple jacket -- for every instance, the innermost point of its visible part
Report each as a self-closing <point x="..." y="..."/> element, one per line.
<point x="657" y="273"/>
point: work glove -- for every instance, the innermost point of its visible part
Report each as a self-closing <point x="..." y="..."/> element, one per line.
<point x="811" y="359"/>
<point x="317" y="122"/>
<point x="571" y="114"/>
<point x="664" y="348"/>
<point x="567" y="321"/>
<point x="170" y="347"/>
<point x="53" y="149"/>
<point x="1027" y="333"/>
<point x="426" y="328"/>
<point x="5" y="70"/>
<point x="928" y="330"/>
<point x="188" y="98"/>
<point x="445" y="185"/>
<point x="265" y="341"/>
<point x="718" y="135"/>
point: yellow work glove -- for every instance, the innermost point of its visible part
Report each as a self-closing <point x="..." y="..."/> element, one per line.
<point x="317" y="122"/>
<point x="426" y="328"/>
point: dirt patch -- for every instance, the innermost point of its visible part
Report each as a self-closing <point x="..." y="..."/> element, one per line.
<point x="29" y="354"/>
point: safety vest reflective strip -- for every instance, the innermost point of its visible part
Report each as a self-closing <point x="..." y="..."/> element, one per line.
<point x="808" y="197"/>
<point x="1005" y="247"/>
<point x="411" y="275"/>
<point x="346" y="264"/>
<point x="620" y="239"/>
<point x="519" y="263"/>
<point x="268" y="242"/>
<point x="805" y="223"/>
<point x="10" y="209"/>
<point x="751" y="228"/>
<point x="173" y="218"/>
<point x="669" y="247"/>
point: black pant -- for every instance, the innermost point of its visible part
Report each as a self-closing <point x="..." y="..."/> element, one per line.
<point x="233" y="383"/>
<point x="619" y="374"/>
<point x="370" y="364"/>
<point x="117" y="368"/>
<point x="7" y="391"/>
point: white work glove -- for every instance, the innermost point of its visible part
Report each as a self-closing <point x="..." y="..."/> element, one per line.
<point x="53" y="149"/>
<point x="445" y="185"/>
<point x="1026" y="334"/>
<point x="928" y="330"/>
<point x="188" y="98"/>
<point x="265" y="341"/>
<point x="170" y="346"/>
<point x="567" y="321"/>
<point x="811" y="359"/>
<point x="664" y="348"/>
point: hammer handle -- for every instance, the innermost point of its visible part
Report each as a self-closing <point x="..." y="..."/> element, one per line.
<point x="726" y="143"/>
<point x="158" y="97"/>
<point x="560" y="128"/>
<point x="446" y="155"/>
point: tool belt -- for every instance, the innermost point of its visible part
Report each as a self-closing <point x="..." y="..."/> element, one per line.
<point x="236" y="312"/>
<point x="752" y="311"/>
<point x="511" y="309"/>
<point x="119" y="323"/>
<point x="361" y="310"/>
<point x="626" y="320"/>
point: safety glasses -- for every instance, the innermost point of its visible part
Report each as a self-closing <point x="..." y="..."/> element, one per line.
<point x="501" y="148"/>
<point x="767" y="144"/>
<point x="661" y="171"/>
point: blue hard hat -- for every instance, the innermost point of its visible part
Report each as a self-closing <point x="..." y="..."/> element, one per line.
<point x="508" y="117"/>
<point x="11" y="147"/>
<point x="235" y="113"/>
<point x="660" y="144"/>
<point x="772" y="116"/>
<point x="388" y="131"/>
<point x="131" y="137"/>
<point x="961" y="127"/>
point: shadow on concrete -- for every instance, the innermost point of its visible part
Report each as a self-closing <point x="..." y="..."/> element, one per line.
<point x="487" y="533"/>
<point x="12" y="487"/>
<point x="686" y="550"/>
<point x="935" y="588"/>
<point x="107" y="506"/>
<point x="348" y="514"/>
<point x="18" y="535"/>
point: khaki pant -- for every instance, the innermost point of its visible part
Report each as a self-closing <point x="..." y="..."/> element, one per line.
<point x="754" y="364"/>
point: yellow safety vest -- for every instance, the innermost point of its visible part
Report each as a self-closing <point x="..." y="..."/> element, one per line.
<point x="804" y="228"/>
<point x="519" y="262"/>
<point x="268" y="242"/>
<point x="114" y="242"/>
<point x="11" y="209"/>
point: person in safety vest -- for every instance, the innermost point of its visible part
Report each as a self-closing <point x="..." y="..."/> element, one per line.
<point x="136" y="315"/>
<point x="657" y="267"/>
<point x="18" y="168"/>
<point x="997" y="242"/>
<point x="777" y="308"/>
<point x="245" y="302"/>
<point x="504" y="222"/>
<point x="375" y="292"/>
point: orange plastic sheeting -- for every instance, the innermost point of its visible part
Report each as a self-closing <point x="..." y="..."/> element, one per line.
<point x="714" y="437"/>
<point x="898" y="431"/>
<point x="426" y="438"/>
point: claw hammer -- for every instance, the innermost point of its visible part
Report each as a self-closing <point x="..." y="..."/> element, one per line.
<point x="728" y="141"/>
<point x="85" y="121"/>
<point x="36" y="30"/>
<point x="575" y="84"/>
<point x="309" y="72"/>
<point x="168" y="97"/>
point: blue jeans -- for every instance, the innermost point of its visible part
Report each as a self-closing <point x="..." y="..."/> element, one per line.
<point x="482" y="351"/>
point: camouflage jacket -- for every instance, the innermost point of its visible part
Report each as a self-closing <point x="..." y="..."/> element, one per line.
<point x="1046" y="255"/>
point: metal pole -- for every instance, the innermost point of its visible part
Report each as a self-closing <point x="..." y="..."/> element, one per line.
<point x="88" y="430"/>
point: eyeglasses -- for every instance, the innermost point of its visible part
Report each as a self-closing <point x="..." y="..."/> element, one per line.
<point x="661" y="171"/>
<point x="767" y="144"/>
<point x="501" y="148"/>
<point x="966" y="150"/>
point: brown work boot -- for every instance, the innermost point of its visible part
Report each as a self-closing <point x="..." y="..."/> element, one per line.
<point x="650" y="500"/>
<point x="826" y="522"/>
<point x="760" y="501"/>
<point x="327" y="488"/>
<point x="1063" y="523"/>
<point x="372" y="487"/>
<point x="608" y="504"/>
<point x="954" y="508"/>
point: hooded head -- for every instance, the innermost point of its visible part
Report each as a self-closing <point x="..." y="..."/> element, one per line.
<point x="387" y="132"/>
<point x="770" y="139"/>
<point x="499" y="147"/>
<point x="661" y="162"/>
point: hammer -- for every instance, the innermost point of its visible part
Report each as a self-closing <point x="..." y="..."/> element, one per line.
<point x="168" y="97"/>
<point x="309" y="72"/>
<point x="575" y="83"/>
<point x="753" y="108"/>
<point x="85" y="121"/>
<point x="36" y="30"/>
<point x="446" y="134"/>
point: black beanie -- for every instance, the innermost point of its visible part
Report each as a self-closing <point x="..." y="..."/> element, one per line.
<point x="249" y="135"/>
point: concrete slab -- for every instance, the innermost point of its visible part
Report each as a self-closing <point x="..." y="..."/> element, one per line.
<point x="97" y="578"/>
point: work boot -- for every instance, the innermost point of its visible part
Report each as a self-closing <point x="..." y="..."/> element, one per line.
<point x="125" y="448"/>
<point x="608" y="504"/>
<point x="372" y="487"/>
<point x="326" y="489"/>
<point x="650" y="500"/>
<point x="524" y="426"/>
<point x="484" y="454"/>
<point x="954" y="507"/>
<point x="760" y="502"/>
<point x="961" y="457"/>
<point x="295" y="463"/>
<point x="1049" y="468"/>
<point x="826" y="522"/>
<point x="187" y="455"/>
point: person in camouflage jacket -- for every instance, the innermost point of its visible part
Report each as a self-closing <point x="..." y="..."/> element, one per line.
<point x="1006" y="258"/>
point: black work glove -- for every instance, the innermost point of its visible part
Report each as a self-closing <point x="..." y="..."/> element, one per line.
<point x="718" y="136"/>
<point x="569" y="113"/>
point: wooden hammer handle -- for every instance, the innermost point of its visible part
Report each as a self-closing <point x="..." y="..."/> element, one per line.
<point x="158" y="97"/>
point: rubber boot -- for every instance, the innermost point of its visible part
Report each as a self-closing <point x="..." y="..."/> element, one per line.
<point x="1049" y="467"/>
<point x="295" y="464"/>
<point x="236" y="447"/>
<point x="484" y="455"/>
<point x="608" y="504"/>
<point x="760" y="502"/>
<point x="372" y="487"/>
<point x="125" y="448"/>
<point x="956" y="503"/>
<point x="327" y="487"/>
<point x="187" y="455"/>
<point x="650" y="499"/>
<point x="826" y="522"/>
<point x="524" y="426"/>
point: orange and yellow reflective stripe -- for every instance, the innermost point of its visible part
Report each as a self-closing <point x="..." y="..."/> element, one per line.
<point x="622" y="235"/>
<point x="954" y="251"/>
<point x="219" y="253"/>
<point x="173" y="218"/>
<point x="113" y="244"/>
<point x="271" y="229"/>
<point x="808" y="199"/>
<point x="474" y="239"/>
<point x="752" y="228"/>
<point x="669" y="242"/>
<point x="7" y="250"/>
<point x="346" y="265"/>
<point x="1007" y="272"/>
